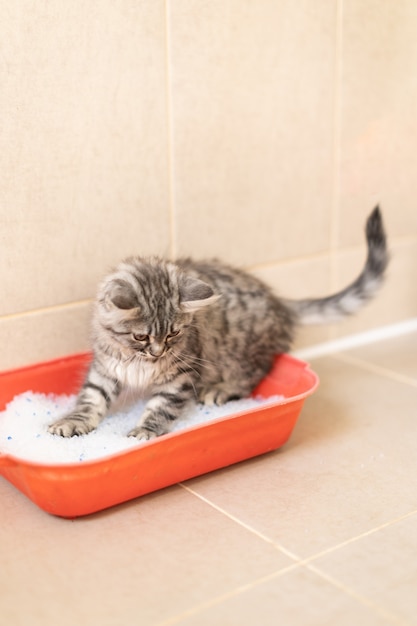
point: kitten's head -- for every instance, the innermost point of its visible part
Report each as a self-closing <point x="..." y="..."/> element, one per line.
<point x="145" y="307"/>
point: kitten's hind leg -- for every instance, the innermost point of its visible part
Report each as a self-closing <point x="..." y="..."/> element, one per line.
<point x="163" y="408"/>
<point x="220" y="393"/>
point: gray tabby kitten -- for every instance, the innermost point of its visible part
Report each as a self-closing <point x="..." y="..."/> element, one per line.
<point x="202" y="331"/>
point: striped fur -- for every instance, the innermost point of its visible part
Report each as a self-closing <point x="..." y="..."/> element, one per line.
<point x="184" y="331"/>
<point x="351" y="299"/>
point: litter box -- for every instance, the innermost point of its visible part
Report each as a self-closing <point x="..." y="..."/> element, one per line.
<point x="76" y="489"/>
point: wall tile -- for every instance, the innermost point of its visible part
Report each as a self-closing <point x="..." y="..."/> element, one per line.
<point x="84" y="145"/>
<point x="252" y="111"/>
<point x="44" y="335"/>
<point x="236" y="161"/>
<point x="379" y="127"/>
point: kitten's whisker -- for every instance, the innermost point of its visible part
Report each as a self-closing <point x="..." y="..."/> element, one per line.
<point x="183" y="365"/>
<point x="196" y="360"/>
<point x="184" y="371"/>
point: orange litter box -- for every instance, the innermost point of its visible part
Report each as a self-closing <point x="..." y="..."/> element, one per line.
<point x="76" y="489"/>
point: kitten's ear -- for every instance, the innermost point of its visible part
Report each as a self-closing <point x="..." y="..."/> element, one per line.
<point x="195" y="294"/>
<point x="121" y="295"/>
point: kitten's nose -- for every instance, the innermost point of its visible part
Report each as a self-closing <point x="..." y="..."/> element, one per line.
<point x="157" y="349"/>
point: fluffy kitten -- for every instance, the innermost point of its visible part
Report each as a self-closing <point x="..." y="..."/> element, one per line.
<point x="197" y="330"/>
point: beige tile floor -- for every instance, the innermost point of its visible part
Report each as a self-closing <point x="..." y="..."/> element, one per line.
<point x="322" y="532"/>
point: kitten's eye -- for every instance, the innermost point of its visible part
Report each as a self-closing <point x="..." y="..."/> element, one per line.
<point x="140" y="337"/>
<point x="174" y="333"/>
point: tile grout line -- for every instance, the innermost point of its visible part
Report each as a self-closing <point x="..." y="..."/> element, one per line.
<point x="47" y="309"/>
<point x="241" y="523"/>
<point x="225" y="596"/>
<point x="264" y="579"/>
<point x="395" y="619"/>
<point x="170" y="129"/>
<point x="337" y="147"/>
<point x="319" y="255"/>
<point x="298" y="564"/>
<point x="299" y="560"/>
<point x="367" y="533"/>
<point x="376" y="369"/>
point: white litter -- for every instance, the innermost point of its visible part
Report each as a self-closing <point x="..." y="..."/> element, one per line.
<point x="24" y="423"/>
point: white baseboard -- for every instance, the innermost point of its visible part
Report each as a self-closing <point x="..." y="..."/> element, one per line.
<point x="359" y="339"/>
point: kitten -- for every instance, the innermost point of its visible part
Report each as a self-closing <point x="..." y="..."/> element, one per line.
<point x="202" y="331"/>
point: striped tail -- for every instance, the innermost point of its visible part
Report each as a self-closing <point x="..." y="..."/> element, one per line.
<point x="351" y="299"/>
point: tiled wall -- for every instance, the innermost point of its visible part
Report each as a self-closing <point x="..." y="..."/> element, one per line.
<point x="259" y="131"/>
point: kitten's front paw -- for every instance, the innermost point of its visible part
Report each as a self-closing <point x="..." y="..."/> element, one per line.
<point x="70" y="426"/>
<point x="142" y="434"/>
